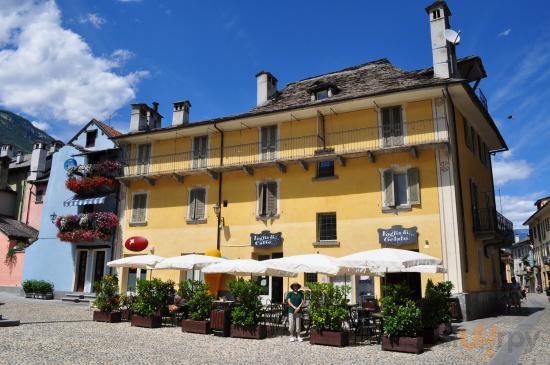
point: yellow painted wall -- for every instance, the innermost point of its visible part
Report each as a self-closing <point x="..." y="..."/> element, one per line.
<point x="471" y="167"/>
<point x="355" y="195"/>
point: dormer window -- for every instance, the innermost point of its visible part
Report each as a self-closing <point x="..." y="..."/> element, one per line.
<point x="322" y="91"/>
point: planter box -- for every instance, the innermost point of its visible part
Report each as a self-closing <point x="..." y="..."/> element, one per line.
<point x="148" y="322"/>
<point x="329" y="338"/>
<point x="189" y="325"/>
<point x="109" y="317"/>
<point x="44" y="296"/>
<point x="126" y="314"/>
<point x="431" y="335"/>
<point x="445" y="329"/>
<point x="29" y="295"/>
<point x="413" y="345"/>
<point x="255" y="332"/>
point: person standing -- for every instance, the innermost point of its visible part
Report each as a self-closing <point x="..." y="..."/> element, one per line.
<point x="295" y="301"/>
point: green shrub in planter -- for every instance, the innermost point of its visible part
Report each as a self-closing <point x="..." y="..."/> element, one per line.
<point x="152" y="297"/>
<point x="107" y="298"/>
<point x="195" y="294"/>
<point x="402" y="316"/>
<point x="328" y="306"/>
<point x="435" y="309"/>
<point x="28" y="286"/>
<point x="247" y="308"/>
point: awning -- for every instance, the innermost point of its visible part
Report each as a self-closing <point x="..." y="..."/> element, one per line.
<point x="77" y="200"/>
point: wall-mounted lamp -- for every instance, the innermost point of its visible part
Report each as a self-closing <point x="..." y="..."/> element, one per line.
<point x="218" y="212"/>
<point x="426" y="244"/>
<point x="53" y="217"/>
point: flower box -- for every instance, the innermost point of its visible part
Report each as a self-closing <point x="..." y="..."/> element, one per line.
<point x="431" y="335"/>
<point x="147" y="322"/>
<point x="445" y="329"/>
<point x="109" y="317"/>
<point x="329" y="338"/>
<point x="90" y="186"/>
<point x="189" y="325"/>
<point x="413" y="345"/>
<point x="86" y="227"/>
<point x="257" y="332"/>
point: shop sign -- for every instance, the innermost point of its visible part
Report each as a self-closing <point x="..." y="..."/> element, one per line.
<point x="266" y="239"/>
<point x="71" y="162"/>
<point x="397" y="235"/>
<point x="136" y="244"/>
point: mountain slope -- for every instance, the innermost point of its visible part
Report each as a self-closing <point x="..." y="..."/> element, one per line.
<point x="19" y="132"/>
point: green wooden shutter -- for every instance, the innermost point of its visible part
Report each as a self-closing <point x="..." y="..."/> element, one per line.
<point x="414" y="185"/>
<point x="388" y="193"/>
<point x="272" y="198"/>
<point x="200" y="195"/>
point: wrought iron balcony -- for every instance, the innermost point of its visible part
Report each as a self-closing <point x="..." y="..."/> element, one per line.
<point x="490" y="223"/>
<point x="360" y="141"/>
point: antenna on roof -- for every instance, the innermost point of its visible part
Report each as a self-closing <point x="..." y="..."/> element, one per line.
<point x="109" y="120"/>
<point x="452" y="36"/>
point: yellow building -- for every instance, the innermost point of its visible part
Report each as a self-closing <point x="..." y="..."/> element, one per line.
<point x="539" y="233"/>
<point x="329" y="162"/>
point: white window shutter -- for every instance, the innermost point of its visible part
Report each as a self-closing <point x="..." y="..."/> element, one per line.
<point x="414" y="185"/>
<point x="389" y="194"/>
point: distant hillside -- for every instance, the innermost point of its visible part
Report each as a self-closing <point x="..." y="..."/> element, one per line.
<point x="19" y="132"/>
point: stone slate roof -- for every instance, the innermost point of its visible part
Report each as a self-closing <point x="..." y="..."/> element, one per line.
<point x="15" y="229"/>
<point x="373" y="78"/>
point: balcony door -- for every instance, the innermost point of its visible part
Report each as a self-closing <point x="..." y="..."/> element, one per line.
<point x="200" y="152"/>
<point x="392" y="126"/>
<point x="268" y="143"/>
<point x="143" y="159"/>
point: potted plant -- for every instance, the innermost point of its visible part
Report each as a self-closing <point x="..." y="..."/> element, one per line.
<point x="152" y="299"/>
<point x="402" y="321"/>
<point x="43" y="289"/>
<point x="328" y="311"/>
<point x="200" y="304"/>
<point x="29" y="288"/>
<point x="245" y="313"/>
<point x="432" y="306"/>
<point x="107" y="300"/>
<point x="444" y="289"/>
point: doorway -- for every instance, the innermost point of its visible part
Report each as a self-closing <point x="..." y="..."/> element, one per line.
<point x="99" y="265"/>
<point x="81" y="271"/>
<point x="272" y="285"/>
<point x="410" y="279"/>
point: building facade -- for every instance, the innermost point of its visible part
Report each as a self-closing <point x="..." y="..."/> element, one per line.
<point x="23" y="182"/>
<point x="361" y="158"/>
<point x="74" y="243"/>
<point x="539" y="231"/>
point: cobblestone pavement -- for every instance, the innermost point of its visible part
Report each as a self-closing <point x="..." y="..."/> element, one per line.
<point x="52" y="332"/>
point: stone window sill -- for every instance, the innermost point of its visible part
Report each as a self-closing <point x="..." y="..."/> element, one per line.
<point x="323" y="178"/>
<point x="196" y="221"/>
<point x="326" y="244"/>
<point x="267" y="218"/>
<point x="137" y="224"/>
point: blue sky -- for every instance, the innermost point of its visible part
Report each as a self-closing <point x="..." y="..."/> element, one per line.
<point x="105" y="54"/>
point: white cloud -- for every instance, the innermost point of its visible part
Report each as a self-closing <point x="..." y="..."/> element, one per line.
<point x="505" y="170"/>
<point x="505" y="33"/>
<point x="518" y="208"/>
<point x="121" y="56"/>
<point x="92" y="18"/>
<point x="41" y="125"/>
<point x="50" y="72"/>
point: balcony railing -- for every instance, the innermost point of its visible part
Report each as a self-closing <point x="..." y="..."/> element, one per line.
<point x="488" y="220"/>
<point x="344" y="142"/>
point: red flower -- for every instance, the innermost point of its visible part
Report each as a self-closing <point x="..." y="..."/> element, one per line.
<point x="92" y="185"/>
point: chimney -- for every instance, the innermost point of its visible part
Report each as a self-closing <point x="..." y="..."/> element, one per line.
<point x="19" y="157"/>
<point x="266" y="87"/>
<point x="180" y="116"/>
<point x="153" y="116"/>
<point x="138" y="118"/>
<point x="443" y="52"/>
<point x="7" y="151"/>
<point x="56" y="145"/>
<point x="38" y="161"/>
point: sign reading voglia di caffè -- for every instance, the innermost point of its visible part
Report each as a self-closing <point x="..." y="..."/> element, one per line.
<point x="266" y="239"/>
<point x="397" y="235"/>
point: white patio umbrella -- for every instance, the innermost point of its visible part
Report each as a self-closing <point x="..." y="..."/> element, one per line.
<point x="188" y="262"/>
<point x="430" y="269"/>
<point x="245" y="267"/>
<point x="312" y="263"/>
<point x="136" y="261"/>
<point x="387" y="260"/>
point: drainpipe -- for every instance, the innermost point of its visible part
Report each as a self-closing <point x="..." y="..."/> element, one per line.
<point x="220" y="177"/>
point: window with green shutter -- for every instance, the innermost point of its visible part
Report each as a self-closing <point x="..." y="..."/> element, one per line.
<point x="197" y="205"/>
<point x="267" y="199"/>
<point x="400" y="188"/>
<point x="139" y="208"/>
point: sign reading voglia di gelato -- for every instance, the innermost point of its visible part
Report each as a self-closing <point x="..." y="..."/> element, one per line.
<point x="397" y="235"/>
<point x="266" y="239"/>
